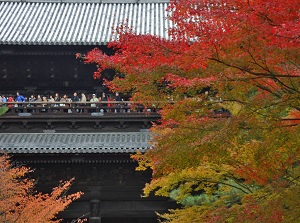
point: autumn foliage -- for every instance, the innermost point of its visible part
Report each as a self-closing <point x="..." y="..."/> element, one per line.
<point x="20" y="203"/>
<point x="227" y="147"/>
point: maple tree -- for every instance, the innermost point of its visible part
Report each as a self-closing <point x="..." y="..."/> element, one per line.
<point x="19" y="202"/>
<point x="228" y="82"/>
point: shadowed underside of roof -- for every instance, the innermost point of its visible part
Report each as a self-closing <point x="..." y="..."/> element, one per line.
<point x="78" y="23"/>
<point x="74" y="142"/>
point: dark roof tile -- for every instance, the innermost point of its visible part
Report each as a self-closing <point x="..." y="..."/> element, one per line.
<point x="77" y="23"/>
<point x="114" y="142"/>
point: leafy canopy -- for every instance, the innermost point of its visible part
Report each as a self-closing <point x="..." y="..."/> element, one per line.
<point x="227" y="147"/>
<point x="19" y="202"/>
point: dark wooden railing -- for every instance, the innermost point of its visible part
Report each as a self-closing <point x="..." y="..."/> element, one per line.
<point x="95" y="115"/>
<point x="86" y="108"/>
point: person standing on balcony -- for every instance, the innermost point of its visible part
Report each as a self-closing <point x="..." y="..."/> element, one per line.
<point x="62" y="102"/>
<point x="94" y="99"/>
<point x="31" y="99"/>
<point x="56" y="97"/>
<point x="75" y="98"/>
<point x="63" y="99"/>
<point x="83" y="98"/>
<point x="118" y="100"/>
<point x="10" y="99"/>
<point x="51" y="99"/>
<point x="20" y="98"/>
<point x="83" y="102"/>
<point x="4" y="100"/>
<point x="45" y="104"/>
<point x="104" y="99"/>
<point x="94" y="105"/>
<point x="39" y="99"/>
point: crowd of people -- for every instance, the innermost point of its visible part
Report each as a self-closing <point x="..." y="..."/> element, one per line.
<point x="91" y="100"/>
<point x="57" y="98"/>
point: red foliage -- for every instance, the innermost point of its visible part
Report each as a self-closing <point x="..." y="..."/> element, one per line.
<point x="21" y="203"/>
<point x="229" y="32"/>
<point x="246" y="49"/>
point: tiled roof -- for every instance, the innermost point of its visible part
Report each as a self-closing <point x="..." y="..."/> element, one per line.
<point x="68" y="22"/>
<point x="74" y="142"/>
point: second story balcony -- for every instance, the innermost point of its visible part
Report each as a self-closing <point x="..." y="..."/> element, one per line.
<point x="58" y="116"/>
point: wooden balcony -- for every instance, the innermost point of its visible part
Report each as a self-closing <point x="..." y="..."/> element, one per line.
<point x="75" y="115"/>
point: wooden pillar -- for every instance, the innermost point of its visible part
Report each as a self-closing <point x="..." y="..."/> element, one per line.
<point x="95" y="215"/>
<point x="95" y="211"/>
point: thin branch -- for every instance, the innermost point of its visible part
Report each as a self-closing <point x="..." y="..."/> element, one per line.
<point x="227" y="184"/>
<point x="79" y="218"/>
<point x="245" y="70"/>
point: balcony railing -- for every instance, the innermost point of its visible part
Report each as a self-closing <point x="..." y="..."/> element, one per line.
<point x="86" y="108"/>
<point x="87" y="115"/>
